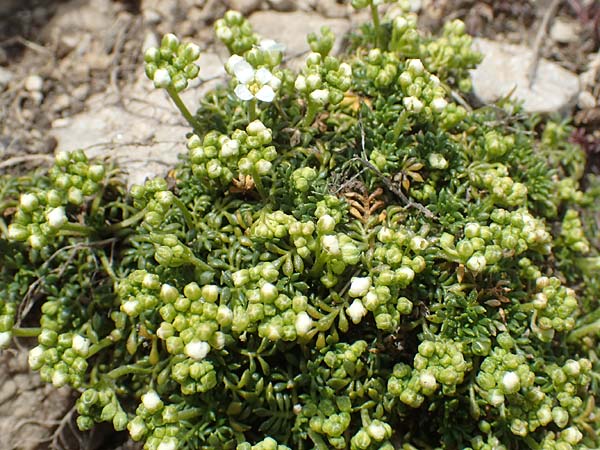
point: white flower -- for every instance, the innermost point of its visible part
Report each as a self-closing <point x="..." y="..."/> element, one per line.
<point x="161" y="78"/>
<point x="439" y="104"/>
<point x="326" y="224"/>
<point x="253" y="84"/>
<point x="130" y="307"/>
<point x="356" y="311"/>
<point x="29" y="202"/>
<point x="81" y="345"/>
<point x="36" y="357"/>
<point x="359" y="287"/>
<point x="427" y="381"/>
<point x="168" y="444"/>
<point x="300" y="83"/>
<point x="136" y="428"/>
<point x="303" y="323"/>
<point x="269" y="45"/>
<point x="331" y="244"/>
<point x="416" y="66"/>
<point x="511" y="382"/>
<point x="376" y="430"/>
<point x="56" y="217"/>
<point x="319" y="96"/>
<point x="152" y="401"/>
<point x="413" y="104"/>
<point x="59" y="378"/>
<point x="197" y="350"/>
<point x="230" y="148"/>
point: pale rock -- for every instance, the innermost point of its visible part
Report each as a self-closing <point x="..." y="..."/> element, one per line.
<point x="283" y="5"/>
<point x="586" y="100"/>
<point x="564" y="31"/>
<point x="333" y="8"/>
<point x="6" y="77"/>
<point x="151" y="16"/>
<point x="61" y="102"/>
<point x="505" y="69"/>
<point x="297" y="25"/>
<point x="246" y="7"/>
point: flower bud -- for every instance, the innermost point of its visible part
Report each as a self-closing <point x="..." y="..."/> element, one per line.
<point x="56" y="217"/>
<point x="359" y="286"/>
<point x="356" y="311"/>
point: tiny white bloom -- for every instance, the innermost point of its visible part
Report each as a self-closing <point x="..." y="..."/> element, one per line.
<point x="356" y="311"/>
<point x="218" y="340"/>
<point x="197" y="350"/>
<point x="300" y="83"/>
<point x="320" y="96"/>
<point x="36" y="357"/>
<point x="130" y="307"/>
<point x="57" y="217"/>
<point x="571" y="435"/>
<point x="427" y="381"/>
<point x="162" y="79"/>
<point x="376" y="430"/>
<point x="439" y="104"/>
<point x="511" y="382"/>
<point x="416" y="66"/>
<point x="152" y="401"/>
<point x="303" y="323"/>
<point x="326" y="224"/>
<point x="168" y="444"/>
<point x="81" y="345"/>
<point x="59" y="378"/>
<point x="313" y="81"/>
<point x="269" y="45"/>
<point x="496" y="397"/>
<point x="255" y="127"/>
<point x="5" y="337"/>
<point x="359" y="287"/>
<point x="434" y="80"/>
<point x="137" y="429"/>
<point x="231" y="62"/>
<point x="263" y="167"/>
<point x="331" y="244"/>
<point x="413" y="104"/>
<point x="230" y="148"/>
<point x="29" y="202"/>
<point x="254" y="84"/>
<point x="346" y="69"/>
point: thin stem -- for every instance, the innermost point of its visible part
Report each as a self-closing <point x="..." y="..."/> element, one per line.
<point x="252" y="110"/>
<point x="128" y="369"/>
<point x="26" y="332"/>
<point x="375" y="16"/>
<point x="102" y="344"/>
<point x="181" y="106"/>
<point x="129" y="221"/>
<point x="77" y="228"/>
<point x="591" y="328"/>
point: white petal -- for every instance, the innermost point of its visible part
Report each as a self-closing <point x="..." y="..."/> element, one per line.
<point x="243" y="71"/>
<point x="243" y="93"/>
<point x="265" y="94"/>
<point x="275" y="83"/>
<point x="263" y="76"/>
<point x="232" y="61"/>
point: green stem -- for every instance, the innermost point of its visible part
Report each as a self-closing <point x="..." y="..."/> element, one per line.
<point x="129" y="221"/>
<point x="252" y="110"/>
<point x="375" y="16"/>
<point x="77" y="228"/>
<point x="26" y="332"/>
<point x="311" y="112"/>
<point x="259" y="186"/>
<point x="107" y="267"/>
<point x="181" y="106"/>
<point x="128" y="369"/>
<point x="585" y="330"/>
<point x="102" y="344"/>
<point x="187" y="216"/>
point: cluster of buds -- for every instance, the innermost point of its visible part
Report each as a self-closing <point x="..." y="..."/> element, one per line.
<point x="405" y="37"/>
<point x="303" y="178"/>
<point x="172" y="65"/>
<point x="423" y="92"/>
<point x="8" y="311"/>
<point x="438" y="364"/>
<point x="155" y="199"/>
<point x="42" y="214"/>
<point x="158" y="423"/>
<point x="519" y="231"/>
<point x="501" y="188"/>
<point x="100" y="404"/>
<point x="572" y="233"/>
<point x="451" y="56"/>
<point x="194" y="376"/>
<point x="266" y="444"/>
<point x="321" y="44"/>
<point x="246" y="153"/>
<point x="554" y="306"/>
<point x="61" y="358"/>
<point x="496" y="145"/>
<point x="323" y="81"/>
<point x="567" y="439"/>
<point x="171" y="252"/>
<point x="381" y="67"/>
<point x="373" y="436"/>
<point x="236" y="33"/>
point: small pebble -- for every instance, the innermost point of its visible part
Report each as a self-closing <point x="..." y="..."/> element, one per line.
<point x="6" y="77"/>
<point x="586" y="100"/>
<point x="34" y="83"/>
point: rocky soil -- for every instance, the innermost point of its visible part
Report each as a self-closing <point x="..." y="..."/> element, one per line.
<point x="71" y="76"/>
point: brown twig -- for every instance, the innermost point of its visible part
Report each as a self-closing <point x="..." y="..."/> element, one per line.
<point x="538" y="40"/>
